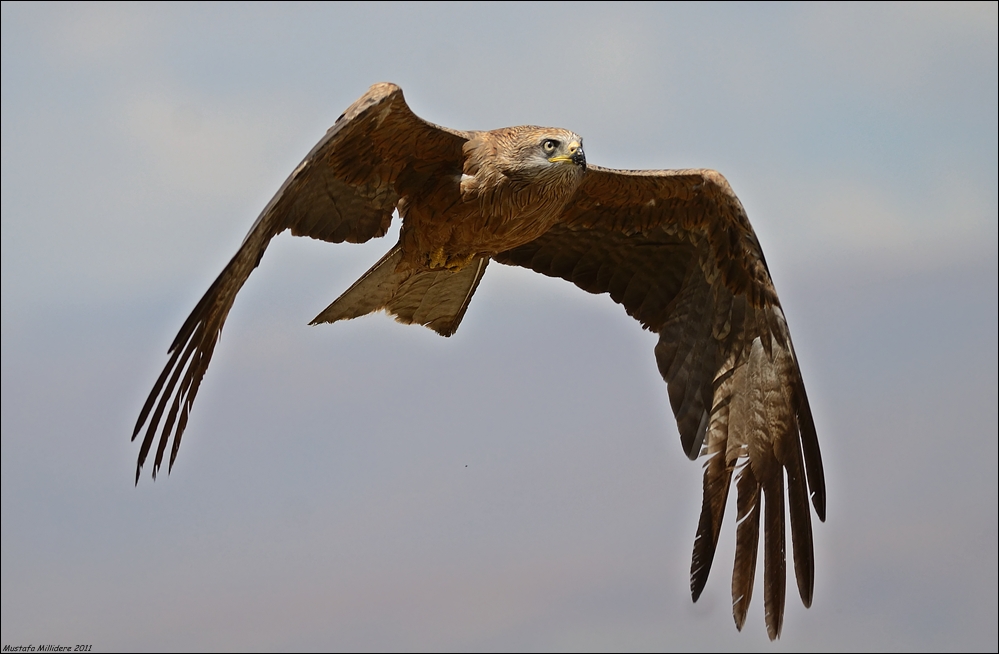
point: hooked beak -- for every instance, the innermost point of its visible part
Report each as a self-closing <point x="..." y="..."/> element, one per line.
<point x="575" y="155"/>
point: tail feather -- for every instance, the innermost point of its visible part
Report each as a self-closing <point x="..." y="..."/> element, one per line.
<point x="368" y="294"/>
<point x="434" y="298"/>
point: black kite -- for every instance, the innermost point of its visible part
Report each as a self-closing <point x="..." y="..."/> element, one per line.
<point x="674" y="247"/>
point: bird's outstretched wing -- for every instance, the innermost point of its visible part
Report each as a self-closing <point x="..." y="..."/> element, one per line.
<point x="345" y="189"/>
<point x="676" y="249"/>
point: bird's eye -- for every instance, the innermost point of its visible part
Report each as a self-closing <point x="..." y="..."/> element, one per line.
<point x="550" y="145"/>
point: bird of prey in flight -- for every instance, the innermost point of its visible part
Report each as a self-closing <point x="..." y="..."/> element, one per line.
<point x="673" y="247"/>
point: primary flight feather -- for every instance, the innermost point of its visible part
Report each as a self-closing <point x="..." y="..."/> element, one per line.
<point x="674" y="247"/>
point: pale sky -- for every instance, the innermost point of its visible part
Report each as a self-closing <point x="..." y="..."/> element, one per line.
<point x="520" y="485"/>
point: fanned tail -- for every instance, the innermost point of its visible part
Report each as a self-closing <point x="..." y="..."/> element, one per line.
<point x="434" y="298"/>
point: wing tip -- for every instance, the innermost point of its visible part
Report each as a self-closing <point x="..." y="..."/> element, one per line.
<point x="698" y="580"/>
<point x="819" y="502"/>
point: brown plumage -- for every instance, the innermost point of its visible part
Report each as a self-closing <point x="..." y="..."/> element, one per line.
<point x="674" y="247"/>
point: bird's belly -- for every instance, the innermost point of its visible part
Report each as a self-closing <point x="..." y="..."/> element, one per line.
<point x="457" y="238"/>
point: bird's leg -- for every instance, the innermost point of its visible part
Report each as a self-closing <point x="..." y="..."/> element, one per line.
<point x="439" y="259"/>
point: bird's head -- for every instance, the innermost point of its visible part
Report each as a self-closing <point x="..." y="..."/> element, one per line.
<point x="546" y="151"/>
<point x="527" y="152"/>
<point x="563" y="147"/>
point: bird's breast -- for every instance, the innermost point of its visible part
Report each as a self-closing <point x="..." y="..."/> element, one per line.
<point x="472" y="219"/>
